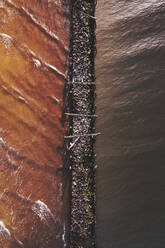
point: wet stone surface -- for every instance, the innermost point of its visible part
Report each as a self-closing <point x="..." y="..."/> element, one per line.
<point x="81" y="136"/>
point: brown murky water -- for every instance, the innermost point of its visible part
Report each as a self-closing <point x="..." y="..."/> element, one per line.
<point x="130" y="68"/>
<point x="34" y="40"/>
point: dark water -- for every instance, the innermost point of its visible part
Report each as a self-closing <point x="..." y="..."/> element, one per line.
<point x="130" y="68"/>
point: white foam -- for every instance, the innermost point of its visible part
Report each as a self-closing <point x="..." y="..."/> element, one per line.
<point x="7" y="39"/>
<point x="37" y="63"/>
<point x="54" y="68"/>
<point x="4" y="231"/>
<point x="2" y="141"/>
<point x="42" y="210"/>
<point x="64" y="236"/>
<point x="41" y="60"/>
<point x="40" y="24"/>
<point x="55" y="98"/>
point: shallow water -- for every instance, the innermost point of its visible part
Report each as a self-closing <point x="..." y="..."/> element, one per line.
<point x="34" y="44"/>
<point x="130" y="70"/>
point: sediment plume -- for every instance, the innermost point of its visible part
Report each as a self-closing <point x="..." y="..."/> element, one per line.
<point x="34" y="48"/>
